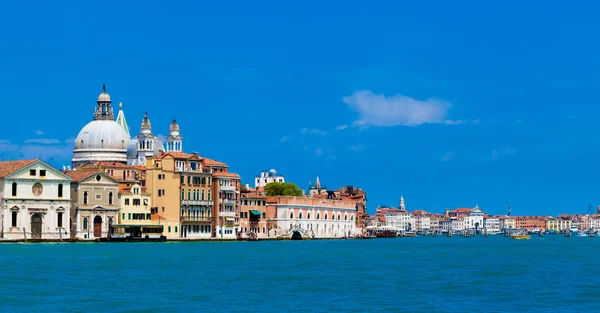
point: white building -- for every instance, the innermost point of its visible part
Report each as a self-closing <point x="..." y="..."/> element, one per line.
<point x="473" y="219"/>
<point x="267" y="178"/>
<point x="401" y="220"/>
<point x="311" y="217"/>
<point x="103" y="139"/>
<point x="422" y="222"/>
<point x="35" y="199"/>
<point x="492" y="225"/>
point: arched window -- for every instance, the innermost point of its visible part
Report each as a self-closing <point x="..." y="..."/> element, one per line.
<point x="14" y="189"/>
<point x="325" y="215"/>
<point x="308" y="216"/>
<point x="59" y="222"/>
<point x="85" y="198"/>
<point x="110" y="198"/>
<point x="85" y="223"/>
<point x="318" y="215"/>
<point x="60" y="190"/>
<point x="345" y="217"/>
<point x="300" y="215"/>
<point x="292" y="214"/>
<point x="14" y="219"/>
<point x="339" y="217"/>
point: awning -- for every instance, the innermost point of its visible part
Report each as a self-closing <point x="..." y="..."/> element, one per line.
<point x="255" y="212"/>
<point x="230" y="219"/>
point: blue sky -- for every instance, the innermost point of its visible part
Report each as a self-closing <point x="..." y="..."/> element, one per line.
<point x="450" y="104"/>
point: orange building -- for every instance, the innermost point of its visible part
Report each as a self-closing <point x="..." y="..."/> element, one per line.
<point x="253" y="215"/>
<point x="530" y="222"/>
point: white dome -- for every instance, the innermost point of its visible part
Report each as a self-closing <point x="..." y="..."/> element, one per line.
<point x="104" y="97"/>
<point x="101" y="140"/>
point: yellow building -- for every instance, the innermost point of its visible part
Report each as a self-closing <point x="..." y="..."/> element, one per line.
<point x="507" y="222"/>
<point x="557" y="224"/>
<point x="135" y="204"/>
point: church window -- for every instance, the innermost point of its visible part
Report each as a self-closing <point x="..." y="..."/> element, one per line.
<point x="37" y="189"/>
<point x="85" y="223"/>
<point x="42" y="173"/>
<point x="110" y="198"/>
<point x="14" y="219"/>
<point x="60" y="218"/>
<point x="85" y="197"/>
<point x="14" y="189"/>
<point x="60" y="190"/>
<point x="31" y="172"/>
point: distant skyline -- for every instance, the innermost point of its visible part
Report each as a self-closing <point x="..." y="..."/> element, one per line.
<point x="449" y="104"/>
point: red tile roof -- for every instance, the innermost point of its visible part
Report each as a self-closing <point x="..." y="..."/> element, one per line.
<point x="9" y="167"/>
<point x="225" y="174"/>
<point x="80" y="175"/>
<point x="210" y="162"/>
<point x="156" y="216"/>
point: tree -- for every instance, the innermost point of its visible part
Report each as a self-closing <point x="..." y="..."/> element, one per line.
<point x="283" y="189"/>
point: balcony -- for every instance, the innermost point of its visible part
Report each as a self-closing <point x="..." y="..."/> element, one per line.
<point x="227" y="188"/>
<point x="229" y="201"/>
<point x="196" y="219"/>
<point x="196" y="202"/>
<point x="227" y="214"/>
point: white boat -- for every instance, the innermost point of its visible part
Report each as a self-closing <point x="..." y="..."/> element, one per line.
<point x="573" y="229"/>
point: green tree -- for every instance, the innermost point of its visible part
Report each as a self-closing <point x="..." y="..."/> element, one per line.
<point x="283" y="189"/>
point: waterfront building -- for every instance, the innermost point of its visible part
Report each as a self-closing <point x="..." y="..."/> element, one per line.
<point x="558" y="224"/>
<point x="103" y="139"/>
<point x="145" y="145"/>
<point x="135" y="203"/>
<point x="267" y="177"/>
<point x="95" y="205"/>
<point x="457" y="223"/>
<point x="253" y="215"/>
<point x="399" y="219"/>
<point x="35" y="199"/>
<point x="491" y="225"/>
<point x="359" y="196"/>
<point x="422" y="220"/>
<point x="197" y="201"/>
<point x="507" y="222"/>
<point x="166" y="177"/>
<point x="530" y="222"/>
<point x="317" y="188"/>
<point x="227" y="189"/>
<point x="434" y="222"/>
<point x="445" y="225"/>
<point x="312" y="217"/>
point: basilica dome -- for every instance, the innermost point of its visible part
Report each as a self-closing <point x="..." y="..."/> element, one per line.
<point x="102" y="139"/>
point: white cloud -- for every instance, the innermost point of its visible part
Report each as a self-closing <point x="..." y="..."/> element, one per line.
<point x="284" y="138"/>
<point x="357" y="147"/>
<point x="379" y="110"/>
<point x="341" y="127"/>
<point x="447" y="156"/>
<point x="43" y="141"/>
<point x="318" y="152"/>
<point x="39" y="132"/>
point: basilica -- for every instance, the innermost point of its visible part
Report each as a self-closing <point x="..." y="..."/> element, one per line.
<point x="105" y="139"/>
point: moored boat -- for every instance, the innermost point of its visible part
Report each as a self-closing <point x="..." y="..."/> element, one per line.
<point x="410" y="234"/>
<point x="520" y="236"/>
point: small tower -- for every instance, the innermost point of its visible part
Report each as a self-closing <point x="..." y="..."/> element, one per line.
<point x="103" y="108"/>
<point x="174" y="140"/>
<point x="121" y="119"/>
<point x="402" y="206"/>
<point x="508" y="209"/>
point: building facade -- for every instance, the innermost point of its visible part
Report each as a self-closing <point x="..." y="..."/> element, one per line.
<point x="253" y="216"/>
<point x="135" y="203"/>
<point x="95" y="204"/>
<point x="310" y="217"/>
<point x="35" y="200"/>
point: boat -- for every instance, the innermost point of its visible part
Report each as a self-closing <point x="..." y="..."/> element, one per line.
<point x="520" y="236"/>
<point x="410" y="234"/>
<point x="386" y="232"/>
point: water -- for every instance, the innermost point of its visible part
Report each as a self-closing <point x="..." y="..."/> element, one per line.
<point x="423" y="274"/>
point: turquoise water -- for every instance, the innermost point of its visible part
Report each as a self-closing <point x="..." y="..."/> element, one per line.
<point x="423" y="274"/>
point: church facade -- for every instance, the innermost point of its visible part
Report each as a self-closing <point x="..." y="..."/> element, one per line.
<point x="35" y="201"/>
